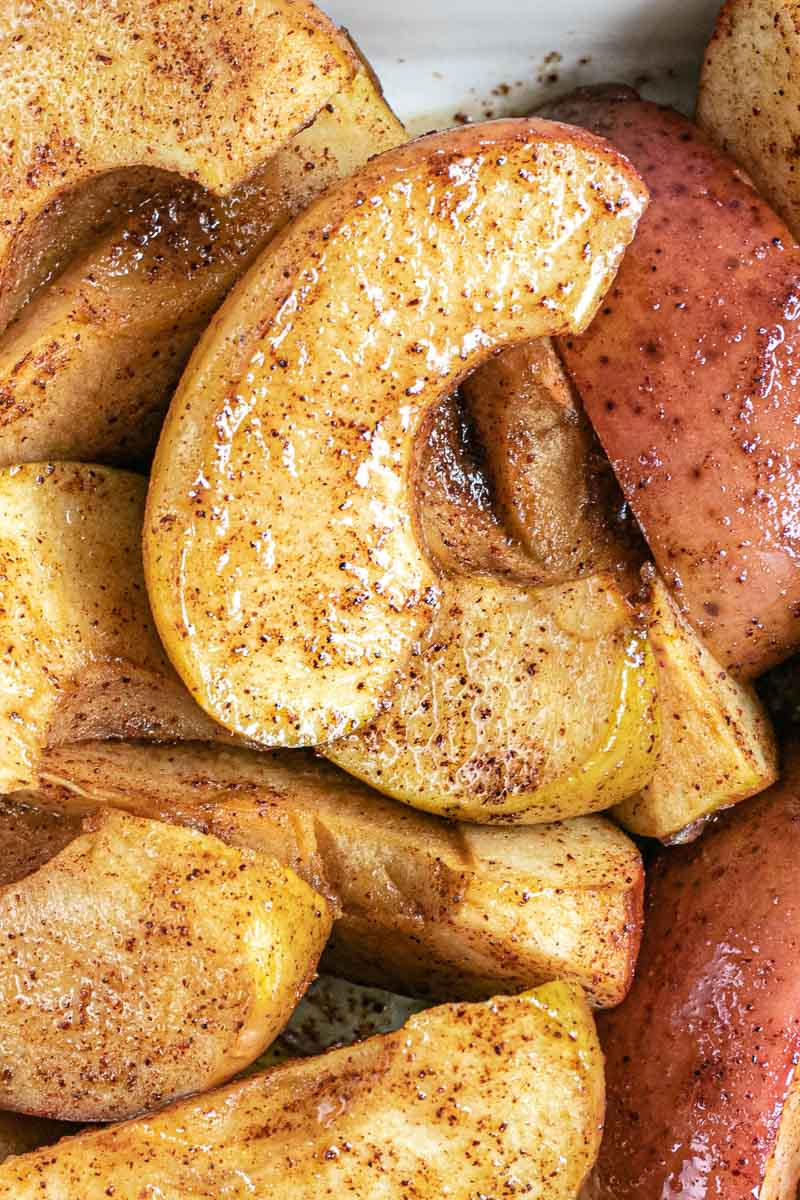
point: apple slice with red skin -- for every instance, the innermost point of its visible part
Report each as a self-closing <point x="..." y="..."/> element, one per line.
<point x="701" y="1055"/>
<point x="691" y="376"/>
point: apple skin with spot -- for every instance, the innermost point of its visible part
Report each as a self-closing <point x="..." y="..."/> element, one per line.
<point x="701" y="1054"/>
<point x="690" y="376"/>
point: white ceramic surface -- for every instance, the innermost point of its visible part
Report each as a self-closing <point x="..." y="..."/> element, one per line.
<point x="438" y="58"/>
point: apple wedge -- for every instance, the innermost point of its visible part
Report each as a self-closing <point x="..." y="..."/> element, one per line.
<point x="80" y="656"/>
<point x="389" y="1117"/>
<point x="425" y="907"/>
<point x="207" y="92"/>
<point x="688" y="375"/>
<point x="749" y="97"/>
<point x="702" y="1056"/>
<point x="717" y="745"/>
<point x="553" y="486"/>
<point x="143" y="962"/>
<point x="521" y="703"/>
<point x="283" y="563"/>
<point x="87" y="370"/>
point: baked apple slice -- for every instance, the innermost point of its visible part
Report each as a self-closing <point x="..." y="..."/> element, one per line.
<point x="716" y="745"/>
<point x="207" y="93"/>
<point x="425" y="907"/>
<point x="284" y="567"/>
<point x="87" y="370"/>
<point x="521" y="702"/>
<point x="80" y="657"/>
<point x="701" y="1058"/>
<point x="389" y="1116"/>
<point x="689" y="376"/>
<point x="143" y="962"/>
<point x="551" y="482"/>
<point x="749" y="97"/>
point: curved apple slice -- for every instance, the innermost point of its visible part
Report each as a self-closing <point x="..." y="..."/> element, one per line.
<point x="79" y="656"/>
<point x="283" y="563"/>
<point x="701" y="1056"/>
<point x="87" y="370"/>
<point x="209" y="95"/>
<point x="464" y="1101"/>
<point x="143" y="962"/>
<point x="426" y="907"/>
<point x="689" y="376"/>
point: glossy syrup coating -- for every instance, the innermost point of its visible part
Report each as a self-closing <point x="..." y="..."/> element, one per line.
<point x="700" y="1056"/>
<point x="425" y="906"/>
<point x="691" y="377"/>
<point x="87" y="370"/>
<point x="464" y="1101"/>
<point x="207" y="90"/>
<point x="145" y="961"/>
<point x="282" y="558"/>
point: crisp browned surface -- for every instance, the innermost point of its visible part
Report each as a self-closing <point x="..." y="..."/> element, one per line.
<point x="464" y="1101"/>
<point x="552" y="483"/>
<point x="209" y="90"/>
<point x="79" y="655"/>
<point x="143" y="962"/>
<point x="689" y="375"/>
<point x="87" y="371"/>
<point x="749" y="98"/>
<point x="294" y="427"/>
<point x="427" y="907"/>
<point x="700" y="1055"/>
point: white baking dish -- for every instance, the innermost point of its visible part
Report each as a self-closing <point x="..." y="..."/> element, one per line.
<point x="439" y="58"/>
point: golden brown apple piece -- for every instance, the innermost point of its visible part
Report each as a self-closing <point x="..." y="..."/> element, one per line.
<point x="701" y="1056"/>
<point x="282" y="558"/>
<point x="463" y="1101"/>
<point x="717" y="744"/>
<point x="425" y="906"/>
<point x="87" y="370"/>
<point x="80" y="657"/>
<point x="521" y="703"/>
<point x="143" y="962"/>
<point x="206" y="92"/>
<point x="749" y="97"/>
<point x="689" y="376"/>
<point x="551" y="481"/>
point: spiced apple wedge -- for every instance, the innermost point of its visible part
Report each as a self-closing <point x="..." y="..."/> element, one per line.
<point x="283" y="562"/>
<point x="388" y="1117"/>
<point x="204" y="91"/>
<point x="689" y="374"/>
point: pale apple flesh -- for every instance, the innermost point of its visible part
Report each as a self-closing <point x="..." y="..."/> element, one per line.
<point x="389" y="1116"/>
<point x="701" y="1056"/>
<point x="425" y="907"/>
<point x="143" y="962"/>
<point x="80" y="657"/>
<point x="87" y="370"/>
<point x="76" y="108"/>
<point x="688" y="376"/>
<point x="717" y="743"/>
<point x="748" y="100"/>
<point x="283" y="564"/>
<point x="521" y="703"/>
